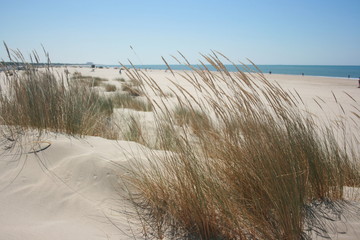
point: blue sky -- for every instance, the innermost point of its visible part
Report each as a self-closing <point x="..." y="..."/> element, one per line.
<point x="320" y="32"/>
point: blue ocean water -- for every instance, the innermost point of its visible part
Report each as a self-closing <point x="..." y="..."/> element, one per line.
<point x="307" y="70"/>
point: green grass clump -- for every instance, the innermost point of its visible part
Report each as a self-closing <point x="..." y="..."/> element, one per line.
<point x="124" y="100"/>
<point x="260" y="172"/>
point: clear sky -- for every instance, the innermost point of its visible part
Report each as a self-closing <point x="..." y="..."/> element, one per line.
<point x="320" y="32"/>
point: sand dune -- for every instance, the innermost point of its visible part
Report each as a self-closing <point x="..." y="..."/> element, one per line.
<point x="72" y="190"/>
<point x="68" y="191"/>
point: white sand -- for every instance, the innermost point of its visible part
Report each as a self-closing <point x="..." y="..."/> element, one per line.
<point x="65" y="192"/>
<point x="72" y="190"/>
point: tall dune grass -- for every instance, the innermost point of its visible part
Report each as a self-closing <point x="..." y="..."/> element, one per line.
<point x="134" y="131"/>
<point x="125" y="100"/>
<point x="88" y="80"/>
<point x="256" y="170"/>
<point x="35" y="98"/>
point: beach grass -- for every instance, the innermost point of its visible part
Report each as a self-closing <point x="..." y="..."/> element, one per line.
<point x="125" y="100"/>
<point x="134" y="131"/>
<point x="242" y="160"/>
<point x="110" y="87"/>
<point x="260" y="169"/>
<point x="132" y="89"/>
<point x="89" y="80"/>
<point x="197" y="120"/>
<point x="38" y="99"/>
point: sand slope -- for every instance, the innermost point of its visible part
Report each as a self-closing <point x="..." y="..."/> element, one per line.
<point x="67" y="191"/>
<point x="72" y="190"/>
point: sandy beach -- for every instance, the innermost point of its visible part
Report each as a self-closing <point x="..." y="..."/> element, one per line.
<point x="73" y="188"/>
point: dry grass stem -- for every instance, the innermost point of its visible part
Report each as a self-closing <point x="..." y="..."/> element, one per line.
<point x="243" y="161"/>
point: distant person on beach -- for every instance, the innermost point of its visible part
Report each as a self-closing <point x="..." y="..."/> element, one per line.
<point x="302" y="74"/>
<point x="270" y="72"/>
<point x="120" y="70"/>
<point x="359" y="83"/>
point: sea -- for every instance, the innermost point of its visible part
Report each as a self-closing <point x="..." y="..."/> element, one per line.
<point x="308" y="70"/>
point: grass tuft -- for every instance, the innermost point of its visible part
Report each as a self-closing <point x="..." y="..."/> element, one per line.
<point x="197" y="120"/>
<point x="110" y="88"/>
<point x="131" y="90"/>
<point x="121" y="100"/>
<point x="134" y="132"/>
<point x="40" y="100"/>
<point x="263" y="171"/>
<point x="88" y="80"/>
